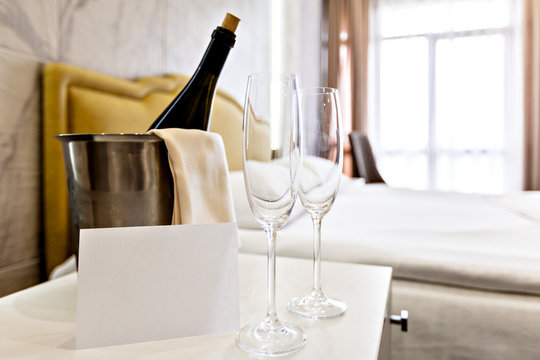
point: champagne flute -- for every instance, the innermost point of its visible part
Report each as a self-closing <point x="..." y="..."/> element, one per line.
<point x="322" y="164"/>
<point x="271" y="159"/>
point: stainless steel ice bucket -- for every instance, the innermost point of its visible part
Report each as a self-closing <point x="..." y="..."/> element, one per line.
<point x="117" y="180"/>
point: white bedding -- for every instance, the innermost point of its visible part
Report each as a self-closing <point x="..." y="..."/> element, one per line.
<point x="465" y="240"/>
<point x="466" y="267"/>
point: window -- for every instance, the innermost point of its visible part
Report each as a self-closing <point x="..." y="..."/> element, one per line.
<point x="446" y="106"/>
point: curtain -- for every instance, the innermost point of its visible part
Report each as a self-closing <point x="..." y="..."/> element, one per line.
<point x="531" y="93"/>
<point x="348" y="37"/>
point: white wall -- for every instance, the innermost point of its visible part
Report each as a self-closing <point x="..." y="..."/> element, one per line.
<point x="301" y="44"/>
<point x="140" y="37"/>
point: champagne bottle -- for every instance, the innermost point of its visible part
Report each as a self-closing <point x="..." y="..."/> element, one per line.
<point x="192" y="107"/>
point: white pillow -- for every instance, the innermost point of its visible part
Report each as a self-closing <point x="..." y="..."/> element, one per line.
<point x="244" y="216"/>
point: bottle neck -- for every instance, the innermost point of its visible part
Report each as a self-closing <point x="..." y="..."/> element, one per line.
<point x="216" y="54"/>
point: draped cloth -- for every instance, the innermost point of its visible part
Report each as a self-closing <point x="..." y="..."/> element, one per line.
<point x="348" y="41"/>
<point x="531" y="93"/>
<point x="348" y="28"/>
<point x="202" y="193"/>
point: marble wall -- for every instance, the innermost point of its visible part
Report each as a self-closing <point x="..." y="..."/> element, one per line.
<point x="126" y="38"/>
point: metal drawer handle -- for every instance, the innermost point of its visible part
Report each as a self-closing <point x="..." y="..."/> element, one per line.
<point x="402" y="319"/>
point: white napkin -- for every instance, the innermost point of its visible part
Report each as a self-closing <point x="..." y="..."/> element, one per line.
<point x="202" y="193"/>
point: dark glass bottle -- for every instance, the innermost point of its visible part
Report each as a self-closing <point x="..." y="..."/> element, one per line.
<point x="192" y="107"/>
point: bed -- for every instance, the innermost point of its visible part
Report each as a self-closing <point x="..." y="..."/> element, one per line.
<point x="466" y="267"/>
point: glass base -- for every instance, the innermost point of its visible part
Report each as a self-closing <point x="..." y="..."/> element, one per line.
<point x="315" y="307"/>
<point x="271" y="338"/>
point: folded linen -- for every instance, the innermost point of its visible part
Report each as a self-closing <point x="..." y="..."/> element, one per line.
<point x="202" y="193"/>
<point x="525" y="204"/>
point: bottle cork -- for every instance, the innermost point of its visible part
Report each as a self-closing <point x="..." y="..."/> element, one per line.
<point x="230" y="22"/>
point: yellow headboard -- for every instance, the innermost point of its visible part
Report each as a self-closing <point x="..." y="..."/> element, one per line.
<point x="80" y="101"/>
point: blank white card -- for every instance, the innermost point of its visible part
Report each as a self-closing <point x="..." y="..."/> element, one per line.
<point x="156" y="282"/>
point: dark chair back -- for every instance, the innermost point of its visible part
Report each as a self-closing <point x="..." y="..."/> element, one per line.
<point x="364" y="164"/>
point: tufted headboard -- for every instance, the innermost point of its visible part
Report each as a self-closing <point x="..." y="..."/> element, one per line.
<point x="76" y="100"/>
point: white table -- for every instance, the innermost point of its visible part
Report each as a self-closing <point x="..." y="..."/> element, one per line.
<point x="39" y="322"/>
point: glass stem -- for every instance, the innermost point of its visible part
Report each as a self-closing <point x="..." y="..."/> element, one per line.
<point x="317" y="291"/>
<point x="271" y="317"/>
